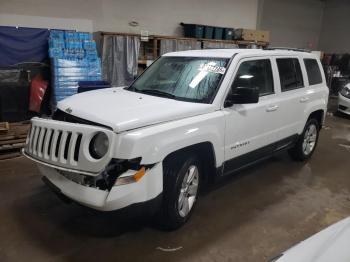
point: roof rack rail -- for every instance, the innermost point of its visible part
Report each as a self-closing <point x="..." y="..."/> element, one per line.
<point x="289" y="48"/>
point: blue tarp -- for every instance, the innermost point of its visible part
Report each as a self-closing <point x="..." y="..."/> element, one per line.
<point x="18" y="45"/>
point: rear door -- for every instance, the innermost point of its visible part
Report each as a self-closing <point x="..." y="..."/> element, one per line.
<point x="292" y="98"/>
<point x="317" y="90"/>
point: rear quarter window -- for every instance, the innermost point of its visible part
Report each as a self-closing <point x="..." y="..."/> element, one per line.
<point x="313" y="71"/>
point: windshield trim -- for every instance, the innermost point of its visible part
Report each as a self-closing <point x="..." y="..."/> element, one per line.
<point x="222" y="78"/>
<point x="184" y="99"/>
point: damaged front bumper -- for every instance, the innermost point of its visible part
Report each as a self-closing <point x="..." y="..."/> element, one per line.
<point x="118" y="196"/>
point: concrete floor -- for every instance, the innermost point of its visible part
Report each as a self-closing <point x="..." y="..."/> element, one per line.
<point x="252" y="217"/>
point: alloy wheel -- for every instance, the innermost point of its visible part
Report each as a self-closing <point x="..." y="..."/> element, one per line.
<point x="310" y="138"/>
<point x="189" y="190"/>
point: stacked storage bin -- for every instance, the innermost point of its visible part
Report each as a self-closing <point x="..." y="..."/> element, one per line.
<point x="73" y="59"/>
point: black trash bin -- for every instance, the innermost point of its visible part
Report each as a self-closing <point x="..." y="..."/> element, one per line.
<point x="208" y="32"/>
<point x="218" y="33"/>
<point x="229" y="34"/>
<point x="193" y="30"/>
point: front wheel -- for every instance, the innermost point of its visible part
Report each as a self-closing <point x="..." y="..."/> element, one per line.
<point x="181" y="188"/>
<point x="307" y="142"/>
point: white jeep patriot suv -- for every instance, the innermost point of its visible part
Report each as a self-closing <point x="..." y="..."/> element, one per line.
<point x="190" y="117"/>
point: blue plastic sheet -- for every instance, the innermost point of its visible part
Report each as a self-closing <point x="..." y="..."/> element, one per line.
<point x="18" y="45"/>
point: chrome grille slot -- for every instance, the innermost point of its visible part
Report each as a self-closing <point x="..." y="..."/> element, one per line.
<point x="30" y="142"/>
<point x="53" y="145"/>
<point x="35" y="140"/>
<point x="58" y="144"/>
<point x="39" y="146"/>
<point x="77" y="148"/>
<point x="67" y="145"/>
<point x="48" y="143"/>
<point x="62" y="143"/>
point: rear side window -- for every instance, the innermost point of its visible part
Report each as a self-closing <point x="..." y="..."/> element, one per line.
<point x="290" y="73"/>
<point x="255" y="73"/>
<point x="313" y="71"/>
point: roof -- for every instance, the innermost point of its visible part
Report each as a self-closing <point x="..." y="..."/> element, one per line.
<point x="228" y="53"/>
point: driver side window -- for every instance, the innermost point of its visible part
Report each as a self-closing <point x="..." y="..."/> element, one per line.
<point x="255" y="73"/>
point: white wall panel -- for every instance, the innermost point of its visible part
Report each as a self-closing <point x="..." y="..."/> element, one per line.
<point x="335" y="37"/>
<point x="157" y="16"/>
<point x="292" y="23"/>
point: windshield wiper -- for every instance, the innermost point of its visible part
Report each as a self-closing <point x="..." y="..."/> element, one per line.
<point x="155" y="92"/>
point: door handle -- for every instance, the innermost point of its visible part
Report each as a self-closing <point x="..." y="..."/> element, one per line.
<point x="272" y="108"/>
<point x="304" y="99"/>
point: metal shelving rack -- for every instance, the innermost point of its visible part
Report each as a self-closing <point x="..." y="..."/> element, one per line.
<point x="150" y="50"/>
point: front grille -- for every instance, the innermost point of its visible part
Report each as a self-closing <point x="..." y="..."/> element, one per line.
<point x="65" y="145"/>
<point x="342" y="107"/>
<point x="55" y="145"/>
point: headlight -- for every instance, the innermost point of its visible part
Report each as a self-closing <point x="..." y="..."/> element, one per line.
<point x="99" y="145"/>
<point x="345" y="92"/>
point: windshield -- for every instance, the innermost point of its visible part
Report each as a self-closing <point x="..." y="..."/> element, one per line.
<point x="194" y="79"/>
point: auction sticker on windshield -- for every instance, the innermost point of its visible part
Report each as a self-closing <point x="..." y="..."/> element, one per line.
<point x="212" y="68"/>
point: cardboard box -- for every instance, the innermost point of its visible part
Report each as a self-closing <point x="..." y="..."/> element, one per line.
<point x="249" y="34"/>
<point x="263" y="36"/>
<point x="320" y="54"/>
<point x="252" y="35"/>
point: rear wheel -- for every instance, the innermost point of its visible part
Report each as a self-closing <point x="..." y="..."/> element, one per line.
<point x="182" y="178"/>
<point x="307" y="142"/>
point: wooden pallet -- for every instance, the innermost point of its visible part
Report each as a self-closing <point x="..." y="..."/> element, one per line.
<point x="12" y="138"/>
<point x="4" y="127"/>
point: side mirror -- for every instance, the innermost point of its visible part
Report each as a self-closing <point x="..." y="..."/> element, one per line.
<point x="242" y="95"/>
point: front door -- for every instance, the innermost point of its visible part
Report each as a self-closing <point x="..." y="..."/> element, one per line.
<point x="250" y="129"/>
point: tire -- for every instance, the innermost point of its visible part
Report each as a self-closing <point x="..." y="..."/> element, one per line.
<point x="173" y="212"/>
<point x="307" y="141"/>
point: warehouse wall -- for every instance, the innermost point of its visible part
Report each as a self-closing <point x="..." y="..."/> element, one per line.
<point x="335" y="37"/>
<point x="157" y="16"/>
<point x="66" y="14"/>
<point x="46" y="22"/>
<point x="292" y="23"/>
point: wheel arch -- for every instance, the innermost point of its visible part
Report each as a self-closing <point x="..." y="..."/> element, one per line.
<point x="206" y="154"/>
<point x="318" y="115"/>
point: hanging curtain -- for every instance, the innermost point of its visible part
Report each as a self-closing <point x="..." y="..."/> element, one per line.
<point x="218" y="45"/>
<point x="173" y="45"/>
<point x="167" y="46"/>
<point x="120" y="59"/>
<point x="18" y="45"/>
<point x="183" y="45"/>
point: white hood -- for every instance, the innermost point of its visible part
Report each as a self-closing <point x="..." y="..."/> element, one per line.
<point x="331" y="244"/>
<point x="125" y="110"/>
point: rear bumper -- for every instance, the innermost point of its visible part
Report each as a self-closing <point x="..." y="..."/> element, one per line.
<point x="119" y="197"/>
<point x="343" y="104"/>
